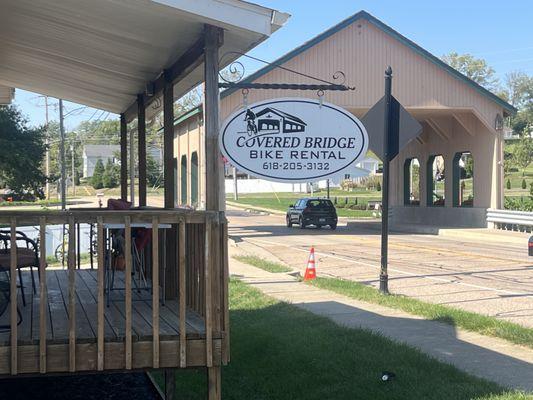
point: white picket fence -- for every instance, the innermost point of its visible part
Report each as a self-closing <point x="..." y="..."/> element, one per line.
<point x="510" y="220"/>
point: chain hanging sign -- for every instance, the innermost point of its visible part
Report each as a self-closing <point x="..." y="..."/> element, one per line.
<point x="293" y="140"/>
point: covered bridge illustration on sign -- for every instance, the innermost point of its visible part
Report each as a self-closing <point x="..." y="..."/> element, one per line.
<point x="272" y="120"/>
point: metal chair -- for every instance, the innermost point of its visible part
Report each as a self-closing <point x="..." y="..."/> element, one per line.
<point x="4" y="301"/>
<point x="27" y="256"/>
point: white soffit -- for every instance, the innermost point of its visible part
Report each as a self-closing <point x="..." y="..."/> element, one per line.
<point x="101" y="53"/>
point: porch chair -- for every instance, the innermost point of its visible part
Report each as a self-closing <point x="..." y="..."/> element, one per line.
<point x="4" y="301"/>
<point x="27" y="256"/>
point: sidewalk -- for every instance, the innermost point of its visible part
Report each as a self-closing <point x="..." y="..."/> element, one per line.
<point x="490" y="358"/>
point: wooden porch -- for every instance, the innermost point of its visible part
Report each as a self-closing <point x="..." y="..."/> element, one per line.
<point x="72" y="324"/>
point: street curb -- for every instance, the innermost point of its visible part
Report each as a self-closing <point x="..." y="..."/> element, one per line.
<point x="482" y="234"/>
<point x="249" y="208"/>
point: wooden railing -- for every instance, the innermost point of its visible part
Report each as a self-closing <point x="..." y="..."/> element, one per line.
<point x="200" y="266"/>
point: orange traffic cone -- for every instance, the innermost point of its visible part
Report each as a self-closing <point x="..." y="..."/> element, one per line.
<point x="310" y="271"/>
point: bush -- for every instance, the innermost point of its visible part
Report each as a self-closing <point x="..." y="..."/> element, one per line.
<point x="98" y="174"/>
<point x="508" y="185"/>
<point x="519" y="203"/>
<point x="378" y="187"/>
<point x="524" y="184"/>
<point x="111" y="175"/>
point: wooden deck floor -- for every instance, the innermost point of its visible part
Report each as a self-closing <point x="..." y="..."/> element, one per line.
<point x="86" y="312"/>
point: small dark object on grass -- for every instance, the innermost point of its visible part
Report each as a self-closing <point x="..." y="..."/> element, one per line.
<point x="387" y="376"/>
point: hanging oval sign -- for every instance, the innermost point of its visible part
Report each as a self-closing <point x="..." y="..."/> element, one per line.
<point x="292" y="140"/>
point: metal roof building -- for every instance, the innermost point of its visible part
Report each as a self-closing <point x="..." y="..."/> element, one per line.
<point x="461" y="120"/>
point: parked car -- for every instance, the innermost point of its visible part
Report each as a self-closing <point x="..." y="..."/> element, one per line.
<point x="312" y="211"/>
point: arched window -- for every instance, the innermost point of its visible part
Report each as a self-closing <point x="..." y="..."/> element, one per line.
<point x="411" y="182"/>
<point x="463" y="179"/>
<point x="184" y="179"/>
<point x="194" y="179"/>
<point x="436" y="181"/>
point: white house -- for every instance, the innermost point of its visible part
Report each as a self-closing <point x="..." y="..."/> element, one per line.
<point x="94" y="152"/>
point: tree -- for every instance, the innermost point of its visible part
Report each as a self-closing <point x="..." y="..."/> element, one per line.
<point x="98" y="174"/>
<point x="22" y="150"/>
<point x="153" y="171"/>
<point x="519" y="92"/>
<point x="476" y="69"/>
<point x="523" y="153"/>
<point x="110" y="176"/>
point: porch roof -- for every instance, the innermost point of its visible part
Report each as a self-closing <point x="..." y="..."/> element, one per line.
<point x="103" y="53"/>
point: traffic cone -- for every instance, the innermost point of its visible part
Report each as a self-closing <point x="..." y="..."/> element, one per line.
<point x="310" y="271"/>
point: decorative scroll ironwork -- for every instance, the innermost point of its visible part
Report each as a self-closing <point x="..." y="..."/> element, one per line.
<point x="236" y="73"/>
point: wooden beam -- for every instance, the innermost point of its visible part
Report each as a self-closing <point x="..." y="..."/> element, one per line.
<point x="72" y="294"/>
<point x="141" y="129"/>
<point x="182" y="292"/>
<point x="127" y="289"/>
<point x="155" y="291"/>
<point x="213" y="159"/>
<point x="214" y="382"/>
<point x="437" y="127"/>
<point x="13" y="297"/>
<point x="183" y="66"/>
<point x="468" y="122"/>
<point x="123" y="158"/>
<point x="207" y="293"/>
<point x="43" y="301"/>
<point x="170" y="384"/>
<point x="101" y="300"/>
<point x="168" y="144"/>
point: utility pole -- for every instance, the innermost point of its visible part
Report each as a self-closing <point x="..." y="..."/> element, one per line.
<point x="327" y="186"/>
<point x="62" y="157"/>
<point x="47" y="142"/>
<point x="132" y="170"/>
<point x="383" y="276"/>
<point x="235" y="191"/>
<point x="73" y="168"/>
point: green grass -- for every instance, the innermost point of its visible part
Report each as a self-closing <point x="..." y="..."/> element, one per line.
<point x="516" y="178"/>
<point x="281" y="352"/>
<point x="482" y="324"/>
<point x="44" y="203"/>
<point x="259" y="262"/>
<point x="52" y="262"/>
<point x="282" y="201"/>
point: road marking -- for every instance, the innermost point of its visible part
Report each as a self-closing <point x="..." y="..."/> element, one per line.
<point x="377" y="266"/>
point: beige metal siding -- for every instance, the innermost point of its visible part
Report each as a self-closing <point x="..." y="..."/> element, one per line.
<point x="363" y="52"/>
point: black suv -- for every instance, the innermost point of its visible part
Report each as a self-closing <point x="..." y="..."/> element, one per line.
<point x="312" y="211"/>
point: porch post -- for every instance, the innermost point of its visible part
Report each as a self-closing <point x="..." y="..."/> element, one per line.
<point x="168" y="143"/>
<point x="141" y="129"/>
<point x="123" y="158"/>
<point x="214" y="198"/>
<point x="171" y="276"/>
<point x="213" y="160"/>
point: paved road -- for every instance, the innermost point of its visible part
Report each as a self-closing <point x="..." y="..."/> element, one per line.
<point x="486" y="277"/>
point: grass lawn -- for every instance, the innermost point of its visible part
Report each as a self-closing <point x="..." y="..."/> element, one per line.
<point x="281" y="352"/>
<point x="516" y="178"/>
<point x="482" y="324"/>
<point x="282" y="201"/>
<point x="262" y="263"/>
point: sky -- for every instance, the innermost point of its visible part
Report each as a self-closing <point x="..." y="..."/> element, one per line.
<point x="499" y="32"/>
